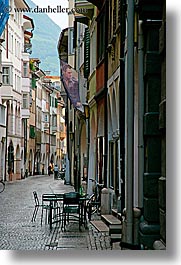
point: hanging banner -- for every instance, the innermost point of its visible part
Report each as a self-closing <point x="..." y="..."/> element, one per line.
<point x="69" y="79"/>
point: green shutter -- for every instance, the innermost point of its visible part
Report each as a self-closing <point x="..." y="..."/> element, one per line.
<point x="32" y="131"/>
<point x="33" y="82"/>
<point x="87" y="53"/>
<point x="56" y="103"/>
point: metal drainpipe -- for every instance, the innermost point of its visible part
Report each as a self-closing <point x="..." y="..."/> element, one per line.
<point x="122" y="104"/>
<point x="129" y="119"/>
<point x="78" y="151"/>
<point x="140" y="116"/>
<point x="105" y="99"/>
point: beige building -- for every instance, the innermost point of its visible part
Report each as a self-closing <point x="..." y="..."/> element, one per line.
<point x="14" y="91"/>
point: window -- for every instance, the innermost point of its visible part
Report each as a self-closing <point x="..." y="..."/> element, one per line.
<point x="71" y="39"/>
<point x="33" y="83"/>
<point x="25" y="69"/>
<point x="46" y="118"/>
<point x="6" y="75"/>
<point x="87" y="53"/>
<point x="19" y="83"/>
<point x="54" y="120"/>
<point x="15" y="80"/>
<point x="25" y="101"/>
<point x="115" y="9"/>
<point x="32" y="131"/>
<point x="101" y="39"/>
<point x="12" y="43"/>
<point x="2" y="114"/>
<point x="56" y="103"/>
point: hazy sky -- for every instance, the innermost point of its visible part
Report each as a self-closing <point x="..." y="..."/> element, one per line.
<point x="59" y="18"/>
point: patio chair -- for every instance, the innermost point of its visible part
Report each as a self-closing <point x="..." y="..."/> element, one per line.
<point x="55" y="207"/>
<point x="37" y="206"/>
<point x="71" y="209"/>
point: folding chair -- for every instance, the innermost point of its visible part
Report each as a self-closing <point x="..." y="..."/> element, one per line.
<point x="71" y="209"/>
<point x="55" y="207"/>
<point x="37" y="205"/>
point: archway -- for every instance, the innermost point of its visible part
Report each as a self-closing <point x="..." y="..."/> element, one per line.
<point x="10" y="160"/>
<point x="18" y="163"/>
<point x="37" y="163"/>
<point x="43" y="164"/>
<point x="92" y="153"/>
<point x="22" y="165"/>
<point x="30" y="162"/>
<point x="83" y="152"/>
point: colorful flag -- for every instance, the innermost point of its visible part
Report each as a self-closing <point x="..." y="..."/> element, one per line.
<point x="69" y="79"/>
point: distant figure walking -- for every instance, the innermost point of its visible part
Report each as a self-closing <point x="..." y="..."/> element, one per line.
<point x="49" y="169"/>
<point x="56" y="169"/>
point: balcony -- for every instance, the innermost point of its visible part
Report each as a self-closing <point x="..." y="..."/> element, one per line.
<point x="54" y="129"/>
<point x="25" y="113"/>
<point x="85" y="8"/>
<point x="79" y="3"/>
<point x="46" y="126"/>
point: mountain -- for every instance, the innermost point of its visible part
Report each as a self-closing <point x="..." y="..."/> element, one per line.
<point x="45" y="40"/>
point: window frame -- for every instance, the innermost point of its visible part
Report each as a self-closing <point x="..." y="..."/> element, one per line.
<point x="2" y="115"/>
<point x="25" y="69"/>
<point x="9" y="75"/>
<point x="25" y="100"/>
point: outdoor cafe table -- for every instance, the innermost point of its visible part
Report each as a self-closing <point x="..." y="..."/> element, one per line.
<point x="56" y="197"/>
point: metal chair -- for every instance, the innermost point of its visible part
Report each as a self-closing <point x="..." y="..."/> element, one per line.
<point x="71" y="209"/>
<point x="47" y="198"/>
<point x="37" y="206"/>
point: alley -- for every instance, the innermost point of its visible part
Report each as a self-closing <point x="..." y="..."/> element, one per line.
<point x="17" y="232"/>
<point x="90" y="101"/>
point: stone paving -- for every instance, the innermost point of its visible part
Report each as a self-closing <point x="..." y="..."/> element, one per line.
<point x="17" y="232"/>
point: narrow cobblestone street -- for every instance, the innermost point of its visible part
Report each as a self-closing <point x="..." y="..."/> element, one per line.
<point x="17" y="232"/>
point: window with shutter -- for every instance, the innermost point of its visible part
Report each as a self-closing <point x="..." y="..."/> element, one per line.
<point x="33" y="82"/>
<point x="101" y="38"/>
<point x="32" y="131"/>
<point x="87" y="53"/>
<point x="56" y="103"/>
<point x="6" y="75"/>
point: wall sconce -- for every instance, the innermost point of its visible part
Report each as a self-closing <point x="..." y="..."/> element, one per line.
<point x="71" y="135"/>
<point x="86" y="110"/>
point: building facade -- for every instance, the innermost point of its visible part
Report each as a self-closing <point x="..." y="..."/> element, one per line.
<point x="125" y="129"/>
<point x="15" y="56"/>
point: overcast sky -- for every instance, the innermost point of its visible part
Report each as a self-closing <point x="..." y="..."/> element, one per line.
<point x="59" y="18"/>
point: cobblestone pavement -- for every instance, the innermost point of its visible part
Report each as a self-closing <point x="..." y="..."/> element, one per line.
<point x="17" y="232"/>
